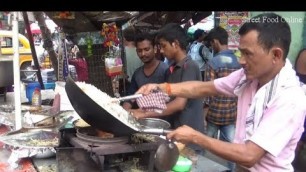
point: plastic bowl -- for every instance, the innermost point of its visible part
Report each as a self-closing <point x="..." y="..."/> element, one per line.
<point x="182" y="165"/>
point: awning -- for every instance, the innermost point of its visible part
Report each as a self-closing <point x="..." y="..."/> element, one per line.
<point x="88" y="21"/>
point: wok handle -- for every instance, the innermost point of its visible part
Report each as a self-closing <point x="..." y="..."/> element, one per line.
<point x="158" y="131"/>
<point x="167" y="131"/>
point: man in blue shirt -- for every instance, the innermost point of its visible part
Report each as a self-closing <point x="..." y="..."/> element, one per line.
<point x="199" y="52"/>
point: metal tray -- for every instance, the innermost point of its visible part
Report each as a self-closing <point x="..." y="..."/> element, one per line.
<point x="22" y="138"/>
<point x="11" y="108"/>
<point x="45" y="109"/>
<point x="56" y="122"/>
<point x="94" y="114"/>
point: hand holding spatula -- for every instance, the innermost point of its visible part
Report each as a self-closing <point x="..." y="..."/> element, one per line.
<point x="131" y="97"/>
<point x="155" y="101"/>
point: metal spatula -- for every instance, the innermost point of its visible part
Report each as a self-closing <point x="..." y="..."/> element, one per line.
<point x="131" y="97"/>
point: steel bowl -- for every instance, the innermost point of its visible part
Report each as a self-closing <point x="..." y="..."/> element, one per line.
<point x="154" y="123"/>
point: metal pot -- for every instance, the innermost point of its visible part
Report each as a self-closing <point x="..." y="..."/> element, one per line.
<point x="154" y="123"/>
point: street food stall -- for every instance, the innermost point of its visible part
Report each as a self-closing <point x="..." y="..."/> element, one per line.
<point x="102" y="135"/>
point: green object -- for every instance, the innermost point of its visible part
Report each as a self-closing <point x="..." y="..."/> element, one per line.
<point x="89" y="46"/>
<point x="182" y="165"/>
<point x="191" y="31"/>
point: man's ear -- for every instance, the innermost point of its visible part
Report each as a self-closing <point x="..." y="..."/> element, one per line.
<point x="175" y="43"/>
<point x="155" y="49"/>
<point x="212" y="42"/>
<point x="277" y="54"/>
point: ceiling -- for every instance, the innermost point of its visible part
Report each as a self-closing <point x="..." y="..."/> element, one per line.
<point x="88" y="21"/>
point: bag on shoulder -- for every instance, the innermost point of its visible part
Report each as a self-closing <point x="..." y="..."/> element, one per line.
<point x="205" y="59"/>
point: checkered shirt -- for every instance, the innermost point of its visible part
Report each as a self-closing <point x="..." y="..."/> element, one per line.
<point x="222" y="109"/>
<point x="155" y="101"/>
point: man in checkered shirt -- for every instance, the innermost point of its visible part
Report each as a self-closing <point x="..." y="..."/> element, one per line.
<point x="222" y="111"/>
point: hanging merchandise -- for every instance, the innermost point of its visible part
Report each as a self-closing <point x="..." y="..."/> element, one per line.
<point x="113" y="61"/>
<point x="89" y="46"/>
<point x="110" y="33"/>
<point x="63" y="70"/>
<point x="82" y="37"/>
<point x="65" y="62"/>
<point x="64" y="15"/>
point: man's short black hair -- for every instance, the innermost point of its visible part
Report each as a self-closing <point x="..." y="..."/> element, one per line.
<point x="270" y="34"/>
<point x="130" y="33"/>
<point x="145" y="36"/>
<point x="198" y="33"/>
<point x="172" y="32"/>
<point x="218" y="33"/>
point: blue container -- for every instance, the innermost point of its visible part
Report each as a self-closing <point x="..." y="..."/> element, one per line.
<point x="49" y="85"/>
<point x="30" y="89"/>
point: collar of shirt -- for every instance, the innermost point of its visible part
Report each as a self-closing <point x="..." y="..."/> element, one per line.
<point x="180" y="64"/>
<point x="225" y="52"/>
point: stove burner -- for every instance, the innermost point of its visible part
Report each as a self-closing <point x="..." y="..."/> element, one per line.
<point x="90" y="134"/>
<point x="138" y="150"/>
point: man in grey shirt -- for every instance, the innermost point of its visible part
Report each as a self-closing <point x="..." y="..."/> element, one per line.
<point x="180" y="111"/>
<point x="132" y="60"/>
<point x="152" y="71"/>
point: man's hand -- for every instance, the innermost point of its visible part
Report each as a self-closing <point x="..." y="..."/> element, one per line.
<point x="127" y="106"/>
<point x="148" y="88"/>
<point x="183" y="134"/>
<point x="138" y="113"/>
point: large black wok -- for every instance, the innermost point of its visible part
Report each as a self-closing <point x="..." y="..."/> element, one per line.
<point x="97" y="116"/>
<point x="166" y="154"/>
<point x="92" y="113"/>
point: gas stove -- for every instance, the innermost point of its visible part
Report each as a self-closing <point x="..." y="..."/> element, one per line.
<point x="92" y="154"/>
